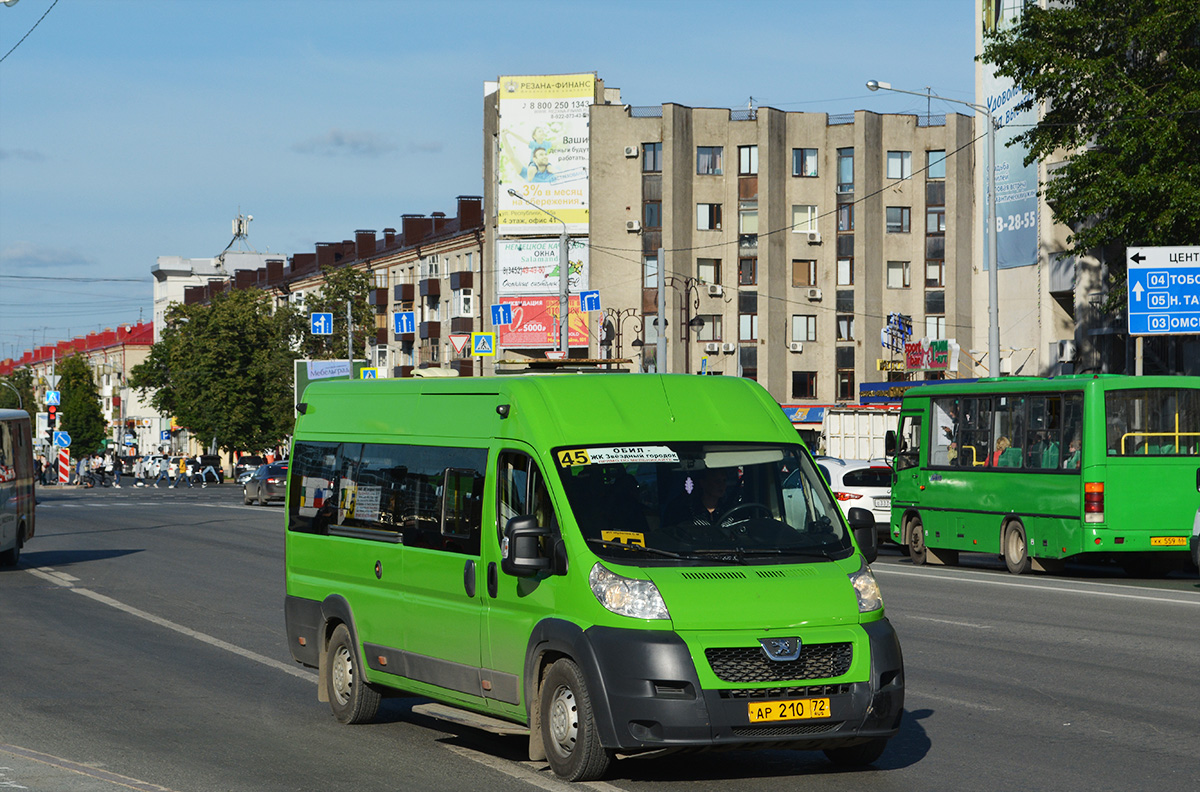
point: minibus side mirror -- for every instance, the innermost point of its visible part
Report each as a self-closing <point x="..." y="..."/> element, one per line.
<point x="862" y="522"/>
<point x="522" y="548"/>
<point x="889" y="443"/>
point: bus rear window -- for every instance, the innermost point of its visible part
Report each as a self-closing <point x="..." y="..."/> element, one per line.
<point x="1153" y="422"/>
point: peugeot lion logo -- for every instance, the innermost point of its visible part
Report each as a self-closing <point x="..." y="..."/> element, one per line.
<point x="781" y="649"/>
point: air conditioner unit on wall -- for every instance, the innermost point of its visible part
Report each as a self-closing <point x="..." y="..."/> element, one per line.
<point x="1066" y="351"/>
<point x="796" y="346"/>
<point x="814" y="294"/>
<point x="631" y="151"/>
<point x="715" y="290"/>
<point x="814" y="238"/>
<point x="633" y="225"/>
<point x="712" y="346"/>
<point x="728" y="347"/>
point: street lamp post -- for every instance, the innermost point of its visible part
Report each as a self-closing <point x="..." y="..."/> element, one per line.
<point x="990" y="236"/>
<point x="614" y="319"/>
<point x="689" y="290"/>
<point x="564" y="274"/>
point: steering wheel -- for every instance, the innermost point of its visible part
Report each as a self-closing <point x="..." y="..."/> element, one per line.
<point x="745" y="507"/>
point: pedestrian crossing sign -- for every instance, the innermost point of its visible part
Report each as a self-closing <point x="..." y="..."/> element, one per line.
<point x="483" y="344"/>
<point x="368" y="373"/>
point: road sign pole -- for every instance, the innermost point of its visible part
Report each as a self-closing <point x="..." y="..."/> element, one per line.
<point x="349" y="340"/>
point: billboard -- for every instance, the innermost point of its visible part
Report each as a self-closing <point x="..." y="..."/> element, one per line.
<point x="1016" y="183"/>
<point x="535" y="323"/>
<point x="530" y="266"/>
<point x="543" y="153"/>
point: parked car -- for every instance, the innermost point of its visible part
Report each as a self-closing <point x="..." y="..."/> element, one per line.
<point x="247" y="463"/>
<point x="268" y="483"/>
<point x="865" y="484"/>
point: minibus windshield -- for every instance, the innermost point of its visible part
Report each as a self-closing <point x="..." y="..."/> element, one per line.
<point x="702" y="503"/>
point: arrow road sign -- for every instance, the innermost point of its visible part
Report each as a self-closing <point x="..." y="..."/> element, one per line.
<point x="589" y="301"/>
<point x="1164" y="290"/>
<point x="501" y="315"/>
<point x="321" y="323"/>
<point x="62" y="439"/>
<point x="404" y="322"/>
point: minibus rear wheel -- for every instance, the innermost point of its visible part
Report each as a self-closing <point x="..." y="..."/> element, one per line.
<point x="350" y="697"/>
<point x="1016" y="549"/>
<point x="916" y="542"/>
<point x="569" y="727"/>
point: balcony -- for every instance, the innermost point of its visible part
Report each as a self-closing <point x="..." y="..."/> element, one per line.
<point x="402" y="371"/>
<point x="381" y="336"/>
<point x="461" y="280"/>
<point x="431" y="287"/>
<point x="462" y="324"/>
<point x="431" y="330"/>
<point x="403" y="292"/>
<point x="465" y="368"/>
<point x="378" y="298"/>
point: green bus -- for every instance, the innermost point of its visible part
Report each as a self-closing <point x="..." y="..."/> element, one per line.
<point x="1038" y="470"/>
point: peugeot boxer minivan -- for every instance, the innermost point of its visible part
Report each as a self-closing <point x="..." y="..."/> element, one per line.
<point x="608" y="562"/>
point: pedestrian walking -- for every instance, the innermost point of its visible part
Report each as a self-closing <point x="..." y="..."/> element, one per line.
<point x="185" y="473"/>
<point x="164" y="470"/>
<point x="117" y="466"/>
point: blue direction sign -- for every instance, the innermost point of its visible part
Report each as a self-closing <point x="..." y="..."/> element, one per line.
<point x="164" y="435"/>
<point x="62" y="439"/>
<point x="321" y="323"/>
<point x="1164" y="290"/>
<point x="501" y="315"/>
<point x="404" y="321"/>
<point x="53" y="397"/>
<point x="589" y="301"/>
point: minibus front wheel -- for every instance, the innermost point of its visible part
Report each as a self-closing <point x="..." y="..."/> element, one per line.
<point x="350" y="697"/>
<point x="568" y="725"/>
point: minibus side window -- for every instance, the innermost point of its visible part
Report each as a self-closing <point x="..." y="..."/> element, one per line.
<point x="521" y="490"/>
<point x="313" y="489"/>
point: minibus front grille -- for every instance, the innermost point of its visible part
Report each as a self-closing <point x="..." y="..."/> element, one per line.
<point x="750" y="663"/>
<point x="787" y="692"/>
<point x="785" y="731"/>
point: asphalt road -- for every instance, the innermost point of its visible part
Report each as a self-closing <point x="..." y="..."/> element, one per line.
<point x="142" y="647"/>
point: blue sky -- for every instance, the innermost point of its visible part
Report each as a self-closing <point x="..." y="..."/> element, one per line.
<point x="131" y="129"/>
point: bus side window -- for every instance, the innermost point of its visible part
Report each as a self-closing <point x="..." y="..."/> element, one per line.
<point x="909" y="450"/>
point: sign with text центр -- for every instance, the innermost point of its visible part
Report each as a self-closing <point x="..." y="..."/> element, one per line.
<point x="1164" y="290"/>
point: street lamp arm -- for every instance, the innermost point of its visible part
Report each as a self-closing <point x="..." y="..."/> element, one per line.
<point x="876" y="85"/>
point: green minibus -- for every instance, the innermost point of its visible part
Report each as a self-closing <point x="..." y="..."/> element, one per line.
<point x="608" y="562"/>
<point x="1038" y="470"/>
<point x="17" y="499"/>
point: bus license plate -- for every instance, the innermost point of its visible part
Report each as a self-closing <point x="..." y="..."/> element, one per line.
<point x="796" y="709"/>
<point x="1168" y="541"/>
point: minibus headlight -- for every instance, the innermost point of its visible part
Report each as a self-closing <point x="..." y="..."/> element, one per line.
<point x="627" y="596"/>
<point x="869" y="596"/>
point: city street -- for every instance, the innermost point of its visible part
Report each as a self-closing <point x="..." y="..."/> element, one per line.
<point x="142" y="647"/>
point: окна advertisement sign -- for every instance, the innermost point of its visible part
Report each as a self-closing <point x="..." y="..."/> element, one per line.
<point x="530" y="266"/>
<point x="543" y="156"/>
<point x="535" y="323"/>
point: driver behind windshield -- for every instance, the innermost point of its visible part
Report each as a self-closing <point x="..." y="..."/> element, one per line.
<point x="704" y="501"/>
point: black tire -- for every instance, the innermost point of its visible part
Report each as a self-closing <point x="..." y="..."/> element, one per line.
<point x="569" y="726"/>
<point x="262" y="497"/>
<point x="1016" y="549"/>
<point x="11" y="556"/>
<point x="246" y="499"/>
<point x="916" y="543"/>
<point x="350" y="697"/>
<point x="857" y="755"/>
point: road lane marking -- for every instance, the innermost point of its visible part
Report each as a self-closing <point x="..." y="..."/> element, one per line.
<point x="529" y="772"/>
<point x="992" y="581"/>
<point x="951" y="623"/>
<point x="910" y="694"/>
<point x="58" y="579"/>
<point x="81" y="769"/>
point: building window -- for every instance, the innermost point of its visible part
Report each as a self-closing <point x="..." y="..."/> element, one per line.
<point x="747" y="160"/>
<point x="935" y="220"/>
<point x="748" y="361"/>
<point x="748" y="327"/>
<point x="845" y="218"/>
<point x="845" y="272"/>
<point x="935" y="302"/>
<point x="804" y="327"/>
<point x="748" y="219"/>
<point x="708" y="217"/>
<point x="845" y="327"/>
<point x="845" y="170"/>
<point x="935" y="274"/>
<point x="935" y="327"/>
<point x="747" y="271"/>
<point x="845" y="301"/>
<point x="708" y="160"/>
<point x="650" y="272"/>
<point x="711" y="331"/>
<point x="804" y="272"/>
<point x="652" y="158"/>
<point x="708" y="270"/>
<point x="898" y="275"/>
<point x="652" y="214"/>
<point x="804" y="384"/>
<point x="935" y="164"/>
<point x="845" y="373"/>
<point x="899" y="164"/>
<point x="804" y="162"/>
<point x="898" y="219"/>
<point x="804" y="218"/>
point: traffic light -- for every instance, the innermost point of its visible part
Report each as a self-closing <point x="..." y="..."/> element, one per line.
<point x="51" y="415"/>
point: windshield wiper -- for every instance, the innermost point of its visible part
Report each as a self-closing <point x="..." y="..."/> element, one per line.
<point x="638" y="548"/>
<point x="797" y="551"/>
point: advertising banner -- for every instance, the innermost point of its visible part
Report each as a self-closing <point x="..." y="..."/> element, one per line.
<point x="535" y="323"/>
<point x="543" y="153"/>
<point x="931" y="355"/>
<point x="530" y="266"/>
<point x="1016" y="183"/>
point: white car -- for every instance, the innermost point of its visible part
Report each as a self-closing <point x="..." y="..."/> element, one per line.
<point x="863" y="484"/>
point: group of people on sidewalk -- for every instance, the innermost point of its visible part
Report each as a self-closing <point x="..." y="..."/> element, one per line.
<point x="147" y="471"/>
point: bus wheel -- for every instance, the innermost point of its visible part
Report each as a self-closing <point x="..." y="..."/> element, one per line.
<point x="350" y="697"/>
<point x="568" y="726"/>
<point x="916" y="543"/>
<point x="1016" y="549"/>
<point x="11" y="556"/>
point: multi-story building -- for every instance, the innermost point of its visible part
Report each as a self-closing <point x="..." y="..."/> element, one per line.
<point x="787" y="239"/>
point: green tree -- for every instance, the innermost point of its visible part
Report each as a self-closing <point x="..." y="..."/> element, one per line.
<point x="79" y="411"/>
<point x="18" y="395"/>
<point x="1119" y="84"/>
<point x="341" y="284"/>
<point x="223" y="370"/>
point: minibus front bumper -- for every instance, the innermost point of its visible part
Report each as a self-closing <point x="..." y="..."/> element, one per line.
<point x="649" y="697"/>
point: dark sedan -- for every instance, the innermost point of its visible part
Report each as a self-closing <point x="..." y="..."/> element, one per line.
<point x="268" y="483"/>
